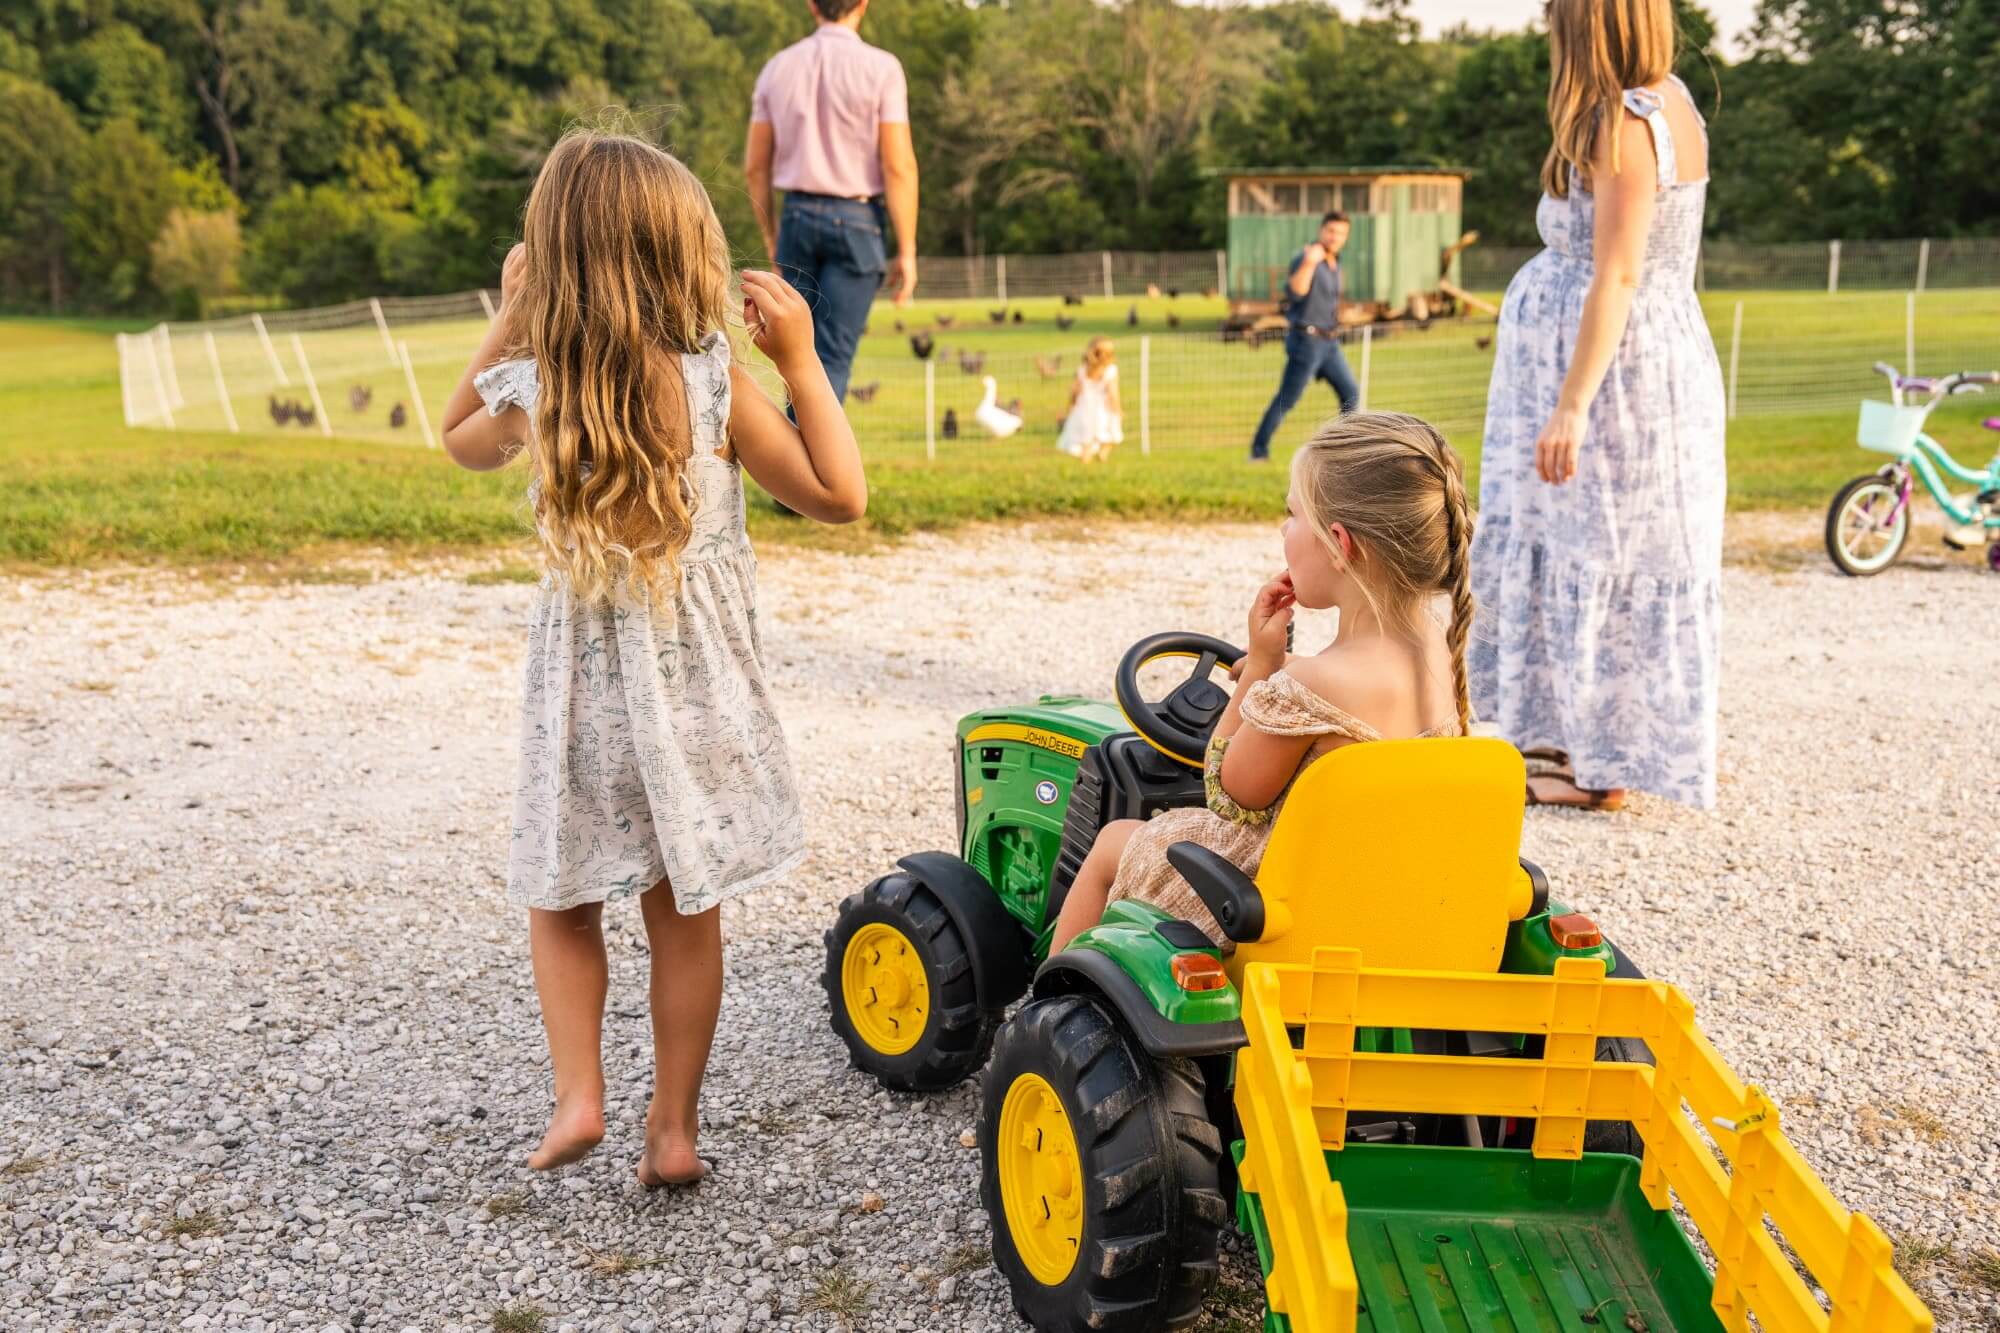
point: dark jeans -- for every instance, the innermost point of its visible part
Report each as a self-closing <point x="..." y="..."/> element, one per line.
<point x="832" y="251"/>
<point x="1306" y="359"/>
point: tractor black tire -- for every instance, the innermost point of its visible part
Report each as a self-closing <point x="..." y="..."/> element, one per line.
<point x="958" y="1033"/>
<point x="1152" y="1215"/>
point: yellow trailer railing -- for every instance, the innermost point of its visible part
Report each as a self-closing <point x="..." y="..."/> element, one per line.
<point x="1294" y="1102"/>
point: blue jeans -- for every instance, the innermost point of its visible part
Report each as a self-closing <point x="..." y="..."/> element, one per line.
<point x="832" y="251"/>
<point x="1306" y="359"/>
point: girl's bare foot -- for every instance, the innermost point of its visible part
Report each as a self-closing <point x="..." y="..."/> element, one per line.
<point x="574" y="1129"/>
<point x="669" y="1159"/>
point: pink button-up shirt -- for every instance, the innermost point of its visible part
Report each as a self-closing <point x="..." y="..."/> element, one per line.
<point x="826" y="99"/>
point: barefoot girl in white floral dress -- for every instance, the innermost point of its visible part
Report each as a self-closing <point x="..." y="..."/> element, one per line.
<point x="652" y="763"/>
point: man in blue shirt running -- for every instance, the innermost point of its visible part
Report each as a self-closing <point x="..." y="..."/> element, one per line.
<point x="1312" y="349"/>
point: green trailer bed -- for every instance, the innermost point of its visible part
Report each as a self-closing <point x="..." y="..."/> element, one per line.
<point x="1472" y="1239"/>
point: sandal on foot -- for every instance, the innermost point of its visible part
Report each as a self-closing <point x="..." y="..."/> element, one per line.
<point x="1548" y="762"/>
<point x="1605" y="801"/>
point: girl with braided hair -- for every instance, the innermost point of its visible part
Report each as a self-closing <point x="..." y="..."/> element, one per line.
<point x="1377" y="526"/>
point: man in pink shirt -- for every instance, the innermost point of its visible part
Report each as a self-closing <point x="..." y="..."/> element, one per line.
<point x="830" y="126"/>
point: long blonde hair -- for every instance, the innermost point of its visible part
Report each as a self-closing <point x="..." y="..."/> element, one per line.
<point x="626" y="270"/>
<point x="1098" y="353"/>
<point x="1399" y="490"/>
<point x="1598" y="49"/>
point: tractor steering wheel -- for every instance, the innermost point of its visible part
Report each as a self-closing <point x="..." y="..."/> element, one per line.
<point x="1177" y="726"/>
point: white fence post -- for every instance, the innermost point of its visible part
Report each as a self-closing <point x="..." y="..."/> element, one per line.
<point x="159" y="380"/>
<point x="417" y="397"/>
<point x="1832" y="267"/>
<point x="930" y="409"/>
<point x="312" y="385"/>
<point x="487" y="302"/>
<point x="1146" y="396"/>
<point x="166" y="358"/>
<point x="1367" y="349"/>
<point x="382" y="323"/>
<point x="1923" y="263"/>
<point x="1910" y="333"/>
<point x="124" y="378"/>
<point x="1001" y="261"/>
<point x="1107" y="275"/>
<point x="1735" y="350"/>
<point x="1222" y="273"/>
<point x="221" y="389"/>
<point x="270" y="352"/>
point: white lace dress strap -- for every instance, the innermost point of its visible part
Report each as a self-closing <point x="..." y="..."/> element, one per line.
<point x="705" y="376"/>
<point x="506" y="384"/>
<point x="1649" y="107"/>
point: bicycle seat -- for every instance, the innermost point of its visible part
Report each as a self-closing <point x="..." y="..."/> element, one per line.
<point x="1991" y="423"/>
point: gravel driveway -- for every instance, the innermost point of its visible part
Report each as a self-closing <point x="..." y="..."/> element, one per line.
<point x="271" y="1053"/>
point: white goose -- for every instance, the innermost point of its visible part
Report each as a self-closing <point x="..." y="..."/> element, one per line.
<point x="999" y="422"/>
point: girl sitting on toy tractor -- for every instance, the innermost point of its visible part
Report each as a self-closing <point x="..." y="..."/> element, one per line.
<point x="1377" y="526"/>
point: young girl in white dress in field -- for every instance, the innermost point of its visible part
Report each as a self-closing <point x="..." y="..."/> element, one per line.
<point x="1096" y="419"/>
<point x="652" y="763"/>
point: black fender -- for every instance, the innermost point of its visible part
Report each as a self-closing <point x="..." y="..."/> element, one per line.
<point x="999" y="946"/>
<point x="1088" y="972"/>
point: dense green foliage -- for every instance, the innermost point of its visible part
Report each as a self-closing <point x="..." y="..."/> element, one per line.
<point x="386" y="147"/>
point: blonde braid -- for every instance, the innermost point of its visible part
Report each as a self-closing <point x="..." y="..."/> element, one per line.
<point x="1458" y="574"/>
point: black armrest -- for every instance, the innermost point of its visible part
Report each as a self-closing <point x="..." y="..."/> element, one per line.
<point x="1538" y="882"/>
<point x="1229" y="894"/>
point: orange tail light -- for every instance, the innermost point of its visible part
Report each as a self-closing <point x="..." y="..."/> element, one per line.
<point x="1574" y="930"/>
<point x="1198" y="972"/>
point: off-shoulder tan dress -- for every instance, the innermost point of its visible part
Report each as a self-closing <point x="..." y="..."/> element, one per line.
<point x="1278" y="706"/>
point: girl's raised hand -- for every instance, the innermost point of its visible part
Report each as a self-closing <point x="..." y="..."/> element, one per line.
<point x="777" y="319"/>
<point x="1270" y="617"/>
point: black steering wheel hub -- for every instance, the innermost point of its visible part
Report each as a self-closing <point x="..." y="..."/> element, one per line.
<point x="1178" y="725"/>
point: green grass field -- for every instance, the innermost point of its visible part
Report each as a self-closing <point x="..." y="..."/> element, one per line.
<point x="83" y="488"/>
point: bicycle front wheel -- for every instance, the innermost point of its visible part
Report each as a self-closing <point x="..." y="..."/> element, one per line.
<point x="1866" y="525"/>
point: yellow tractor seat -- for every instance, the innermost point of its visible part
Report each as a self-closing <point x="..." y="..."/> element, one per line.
<point x="1408" y="851"/>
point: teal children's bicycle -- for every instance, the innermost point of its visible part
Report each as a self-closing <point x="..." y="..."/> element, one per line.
<point x="1869" y="519"/>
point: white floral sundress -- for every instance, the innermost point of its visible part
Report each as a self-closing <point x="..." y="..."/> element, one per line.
<point x="1600" y="601"/>
<point x="649" y="746"/>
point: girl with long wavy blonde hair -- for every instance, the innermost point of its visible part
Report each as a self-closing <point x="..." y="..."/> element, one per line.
<point x="1378" y="525"/>
<point x="1599" y="564"/>
<point x="652" y="763"/>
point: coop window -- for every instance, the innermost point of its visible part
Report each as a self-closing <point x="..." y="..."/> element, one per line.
<point x="1319" y="199"/>
<point x="1355" y="198"/>
<point x="1428" y="198"/>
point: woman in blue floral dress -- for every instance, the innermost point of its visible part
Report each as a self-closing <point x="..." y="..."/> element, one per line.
<point x="1598" y="559"/>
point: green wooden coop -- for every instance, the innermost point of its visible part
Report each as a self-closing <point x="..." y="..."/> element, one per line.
<point x="1404" y="219"/>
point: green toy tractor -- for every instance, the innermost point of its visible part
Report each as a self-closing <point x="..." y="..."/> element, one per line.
<point x="1107" y="1113"/>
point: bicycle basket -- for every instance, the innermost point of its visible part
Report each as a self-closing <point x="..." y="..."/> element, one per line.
<point x="1889" y="429"/>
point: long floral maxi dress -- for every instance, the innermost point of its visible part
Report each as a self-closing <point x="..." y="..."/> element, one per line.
<point x="1600" y="600"/>
<point x="649" y="746"/>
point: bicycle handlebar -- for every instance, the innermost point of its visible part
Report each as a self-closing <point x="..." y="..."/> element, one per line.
<point x="1961" y="381"/>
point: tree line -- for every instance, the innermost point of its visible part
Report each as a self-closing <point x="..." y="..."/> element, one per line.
<point x="171" y="154"/>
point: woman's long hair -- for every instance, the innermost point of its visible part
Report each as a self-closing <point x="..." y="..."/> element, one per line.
<point x="1598" y="49"/>
<point x="627" y="269"/>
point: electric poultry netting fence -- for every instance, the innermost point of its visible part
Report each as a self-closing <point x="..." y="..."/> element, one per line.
<point x="381" y="369"/>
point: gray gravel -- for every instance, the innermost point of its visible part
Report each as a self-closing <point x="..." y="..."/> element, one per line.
<point x="271" y="1055"/>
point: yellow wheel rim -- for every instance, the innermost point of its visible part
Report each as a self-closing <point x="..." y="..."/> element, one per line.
<point x="888" y="997"/>
<point x="1041" y="1181"/>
